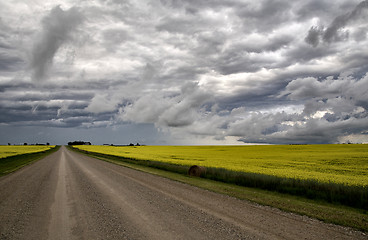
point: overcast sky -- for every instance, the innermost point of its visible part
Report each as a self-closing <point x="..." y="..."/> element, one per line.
<point x="183" y="72"/>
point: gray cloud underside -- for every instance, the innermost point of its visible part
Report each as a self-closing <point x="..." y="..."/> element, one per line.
<point x="57" y="28"/>
<point x="254" y="71"/>
<point x="335" y="31"/>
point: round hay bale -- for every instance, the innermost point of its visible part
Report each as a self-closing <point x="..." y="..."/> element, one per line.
<point x="196" y="171"/>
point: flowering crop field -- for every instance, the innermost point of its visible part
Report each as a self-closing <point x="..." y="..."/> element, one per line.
<point x="342" y="164"/>
<point x="7" y="151"/>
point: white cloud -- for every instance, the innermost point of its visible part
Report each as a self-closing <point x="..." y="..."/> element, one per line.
<point x="101" y="103"/>
<point x="182" y="109"/>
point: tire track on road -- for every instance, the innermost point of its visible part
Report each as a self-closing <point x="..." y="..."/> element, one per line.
<point x="61" y="221"/>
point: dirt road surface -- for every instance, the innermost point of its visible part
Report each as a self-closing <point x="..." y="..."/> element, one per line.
<point x="71" y="196"/>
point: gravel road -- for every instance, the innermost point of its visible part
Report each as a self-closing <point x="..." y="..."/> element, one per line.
<point x="71" y="196"/>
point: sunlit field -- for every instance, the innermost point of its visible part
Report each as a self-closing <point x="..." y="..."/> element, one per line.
<point x="14" y="157"/>
<point x="7" y="151"/>
<point x="342" y="164"/>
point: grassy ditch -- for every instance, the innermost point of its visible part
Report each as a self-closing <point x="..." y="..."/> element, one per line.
<point x="328" y="212"/>
<point x="13" y="163"/>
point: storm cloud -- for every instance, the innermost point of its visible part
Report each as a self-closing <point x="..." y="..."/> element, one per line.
<point x="184" y="72"/>
<point x="57" y="28"/>
<point x="335" y="31"/>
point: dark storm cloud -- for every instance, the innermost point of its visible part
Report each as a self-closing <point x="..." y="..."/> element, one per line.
<point x="199" y="71"/>
<point x="308" y="88"/>
<point x="332" y="107"/>
<point x="10" y="58"/>
<point x="313" y="37"/>
<point x="313" y="8"/>
<point x="57" y="29"/>
<point x="331" y="32"/>
<point x="9" y="63"/>
<point x="334" y="32"/>
<point x="24" y="104"/>
<point x="264" y="15"/>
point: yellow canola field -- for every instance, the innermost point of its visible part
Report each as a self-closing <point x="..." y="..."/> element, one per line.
<point x="344" y="164"/>
<point x="7" y="151"/>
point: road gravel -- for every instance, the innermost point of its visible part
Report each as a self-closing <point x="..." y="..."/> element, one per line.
<point x="72" y="196"/>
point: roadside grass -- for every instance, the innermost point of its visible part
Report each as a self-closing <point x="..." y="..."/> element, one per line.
<point x="321" y="210"/>
<point x="15" y="162"/>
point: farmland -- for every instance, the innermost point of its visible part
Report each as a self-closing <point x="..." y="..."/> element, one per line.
<point x="119" y="202"/>
<point x="340" y="164"/>
<point x="7" y="151"/>
<point x="331" y="173"/>
<point x="14" y="157"/>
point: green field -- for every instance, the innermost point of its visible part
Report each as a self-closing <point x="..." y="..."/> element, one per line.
<point x="341" y="164"/>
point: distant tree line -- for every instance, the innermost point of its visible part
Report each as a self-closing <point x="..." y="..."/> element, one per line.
<point x="79" y="143"/>
<point x="32" y="144"/>
<point x="119" y="145"/>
